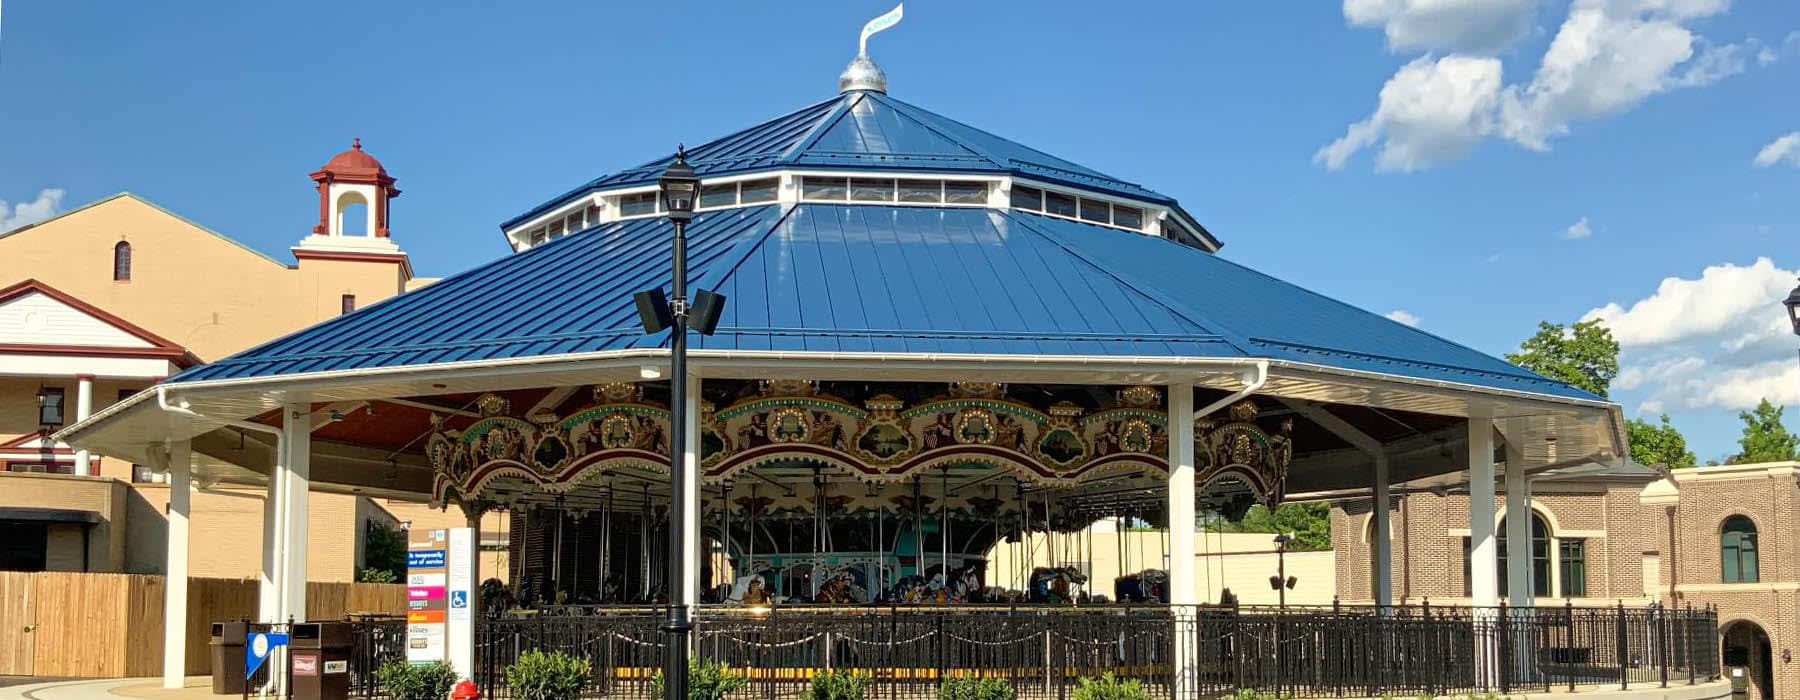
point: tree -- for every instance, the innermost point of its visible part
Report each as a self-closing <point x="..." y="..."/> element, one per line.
<point x="1662" y="444"/>
<point x="384" y="552"/>
<point x="1308" y="523"/>
<point x="1765" y="438"/>
<point x="1584" y="356"/>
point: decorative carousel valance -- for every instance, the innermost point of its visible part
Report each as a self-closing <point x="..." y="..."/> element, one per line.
<point x="883" y="441"/>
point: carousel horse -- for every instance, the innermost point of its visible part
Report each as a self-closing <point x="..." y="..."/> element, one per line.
<point x="1051" y="585"/>
<point x="1147" y="586"/>
<point x="841" y="588"/>
<point x="751" y="589"/>
<point x="911" y="589"/>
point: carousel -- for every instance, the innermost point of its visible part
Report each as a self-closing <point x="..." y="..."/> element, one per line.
<point x="841" y="493"/>
<point x="936" y="341"/>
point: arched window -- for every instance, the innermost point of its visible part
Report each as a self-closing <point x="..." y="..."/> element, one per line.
<point x="1737" y="550"/>
<point x="122" y="262"/>
<point x="1540" y="555"/>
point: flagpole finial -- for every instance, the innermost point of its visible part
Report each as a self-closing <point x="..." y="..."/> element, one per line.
<point x="863" y="74"/>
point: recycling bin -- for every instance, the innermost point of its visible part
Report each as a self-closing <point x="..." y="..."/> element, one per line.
<point x="319" y="660"/>
<point x="227" y="646"/>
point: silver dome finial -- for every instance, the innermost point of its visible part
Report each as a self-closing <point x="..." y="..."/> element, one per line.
<point x="863" y="74"/>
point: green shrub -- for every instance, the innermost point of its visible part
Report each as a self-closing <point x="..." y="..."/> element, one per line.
<point x="976" y="689"/>
<point x="1109" y="687"/>
<point x="707" y="680"/>
<point x="547" y="676"/>
<point x="837" y="685"/>
<point x="405" y="681"/>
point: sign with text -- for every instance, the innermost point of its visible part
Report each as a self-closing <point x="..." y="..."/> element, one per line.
<point x="425" y="560"/>
<point x="440" y="595"/>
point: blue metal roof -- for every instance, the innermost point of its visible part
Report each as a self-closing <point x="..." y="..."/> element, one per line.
<point x="864" y="131"/>
<point x="870" y="278"/>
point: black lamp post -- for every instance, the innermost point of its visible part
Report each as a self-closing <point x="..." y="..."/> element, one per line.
<point x="1282" y="582"/>
<point x="678" y="187"/>
<point x="1793" y="308"/>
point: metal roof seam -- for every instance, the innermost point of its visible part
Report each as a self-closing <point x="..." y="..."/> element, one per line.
<point x="799" y="146"/>
<point x="1235" y="339"/>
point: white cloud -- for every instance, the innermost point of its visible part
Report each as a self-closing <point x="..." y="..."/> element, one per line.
<point x="1432" y="110"/>
<point x="1579" y="230"/>
<point x="1721" y="340"/>
<point x="1607" y="57"/>
<point x="15" y="215"/>
<point x="1403" y="316"/>
<point x="1481" y="26"/>
<point x="1782" y="150"/>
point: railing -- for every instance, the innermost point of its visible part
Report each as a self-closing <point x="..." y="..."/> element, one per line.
<point x="1303" y="652"/>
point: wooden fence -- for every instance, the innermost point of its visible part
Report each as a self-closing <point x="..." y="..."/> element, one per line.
<point x="111" y="625"/>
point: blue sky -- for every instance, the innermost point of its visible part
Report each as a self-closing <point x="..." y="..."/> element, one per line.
<point x="1433" y="158"/>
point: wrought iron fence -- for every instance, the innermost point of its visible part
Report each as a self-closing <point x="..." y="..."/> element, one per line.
<point x="1302" y="652"/>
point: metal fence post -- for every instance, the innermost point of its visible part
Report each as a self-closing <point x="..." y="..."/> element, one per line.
<point x="1503" y="628"/>
<point x="1624" y="649"/>
<point x="1663" y="647"/>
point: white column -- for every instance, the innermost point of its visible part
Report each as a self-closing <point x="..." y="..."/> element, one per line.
<point x="175" y="569"/>
<point x="268" y="598"/>
<point x="296" y="448"/>
<point x="1484" y="587"/>
<point x="1184" y="579"/>
<point x="1518" y="531"/>
<point x="1384" y="539"/>
<point x="84" y="407"/>
<point x="690" y="495"/>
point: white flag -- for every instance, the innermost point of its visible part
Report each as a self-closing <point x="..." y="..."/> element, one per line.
<point x="880" y="24"/>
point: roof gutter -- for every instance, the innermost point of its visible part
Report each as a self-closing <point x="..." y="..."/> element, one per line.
<point x="1250" y="387"/>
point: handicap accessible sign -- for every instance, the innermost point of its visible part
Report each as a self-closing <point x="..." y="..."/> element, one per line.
<point x="257" y="650"/>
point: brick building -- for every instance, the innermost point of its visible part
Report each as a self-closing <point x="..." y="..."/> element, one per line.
<point x="110" y="298"/>
<point x="1603" y="536"/>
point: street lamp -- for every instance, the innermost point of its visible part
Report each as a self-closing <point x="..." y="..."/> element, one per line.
<point x="678" y="188"/>
<point x="1282" y="582"/>
<point x="1793" y="308"/>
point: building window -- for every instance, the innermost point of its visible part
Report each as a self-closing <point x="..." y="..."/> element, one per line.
<point x="753" y="191"/>
<point x="1737" y="550"/>
<point x="832" y="189"/>
<point x="718" y="195"/>
<point x="1540" y="558"/>
<point x="349" y="304"/>
<point x="141" y="474"/>
<point x="50" y="412"/>
<point x="1571" y="557"/>
<point x="641" y="204"/>
<point x="1128" y="217"/>
<point x="1027" y="198"/>
<point x="965" y="192"/>
<point x="871" y="190"/>
<point x="1060" y="204"/>
<point x="122" y="262"/>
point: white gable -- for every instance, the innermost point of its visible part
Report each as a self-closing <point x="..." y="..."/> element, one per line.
<point x="37" y="319"/>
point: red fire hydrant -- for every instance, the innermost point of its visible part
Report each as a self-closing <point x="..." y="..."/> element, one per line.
<point x="465" y="690"/>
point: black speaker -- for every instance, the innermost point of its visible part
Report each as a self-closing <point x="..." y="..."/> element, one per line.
<point x="703" y="316"/>
<point x="653" y="311"/>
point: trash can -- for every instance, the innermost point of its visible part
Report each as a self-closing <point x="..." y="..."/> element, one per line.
<point x="319" y="659"/>
<point x="227" y="645"/>
<point x="1740" y="683"/>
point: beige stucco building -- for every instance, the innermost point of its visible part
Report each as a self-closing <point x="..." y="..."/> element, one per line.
<point x="1240" y="563"/>
<point x="111" y="298"/>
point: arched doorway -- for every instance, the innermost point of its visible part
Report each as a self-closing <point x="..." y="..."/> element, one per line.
<point x="1746" y="644"/>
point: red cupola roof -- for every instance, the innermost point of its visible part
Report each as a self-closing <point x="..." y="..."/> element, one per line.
<point x="354" y="165"/>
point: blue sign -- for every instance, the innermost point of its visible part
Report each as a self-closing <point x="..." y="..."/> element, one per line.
<point x="425" y="559"/>
<point x="257" y="648"/>
<point x="459" y="599"/>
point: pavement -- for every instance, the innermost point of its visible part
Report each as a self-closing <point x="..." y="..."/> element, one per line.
<point x="19" y="688"/>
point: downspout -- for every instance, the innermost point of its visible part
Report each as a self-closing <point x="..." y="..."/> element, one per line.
<point x="1250" y="387"/>
<point x="162" y="402"/>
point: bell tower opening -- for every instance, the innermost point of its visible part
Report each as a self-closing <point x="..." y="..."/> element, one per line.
<point x="355" y="199"/>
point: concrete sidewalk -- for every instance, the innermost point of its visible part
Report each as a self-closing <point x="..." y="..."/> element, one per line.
<point x="194" y="688"/>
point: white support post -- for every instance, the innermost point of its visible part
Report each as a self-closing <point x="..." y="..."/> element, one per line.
<point x="1519" y="553"/>
<point x="268" y="596"/>
<point x="175" y="569"/>
<point x="690" y="461"/>
<point x="1384" y="538"/>
<point x="84" y="407"/>
<point x="296" y="457"/>
<point x="1484" y="586"/>
<point x="1184" y="581"/>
